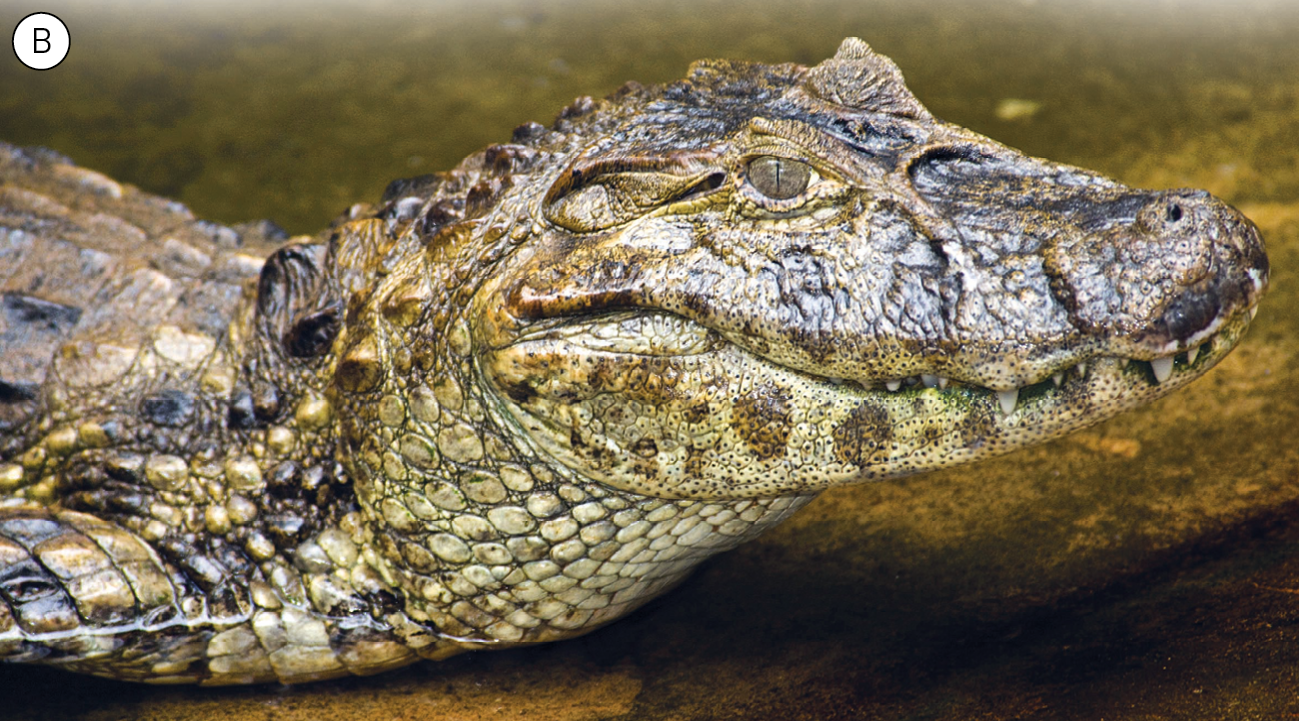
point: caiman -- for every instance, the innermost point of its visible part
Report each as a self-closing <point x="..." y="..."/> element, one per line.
<point x="514" y="401"/>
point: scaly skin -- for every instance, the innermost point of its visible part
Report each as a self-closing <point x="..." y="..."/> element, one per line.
<point x="517" y="400"/>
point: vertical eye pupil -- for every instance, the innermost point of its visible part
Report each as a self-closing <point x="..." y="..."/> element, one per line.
<point x="779" y="178"/>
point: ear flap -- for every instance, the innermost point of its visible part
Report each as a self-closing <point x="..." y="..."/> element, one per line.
<point x="856" y="77"/>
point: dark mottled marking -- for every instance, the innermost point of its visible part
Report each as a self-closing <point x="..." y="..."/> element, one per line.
<point x="978" y="426"/>
<point x="761" y="418"/>
<point x="482" y="196"/>
<point x="285" y="528"/>
<point x="228" y="600"/>
<point x="20" y="309"/>
<point x="696" y="412"/>
<point x="520" y="392"/>
<point x="207" y="573"/>
<point x="529" y="132"/>
<point x="311" y="334"/>
<point x="442" y="213"/>
<point x="266" y="402"/>
<point x="1191" y="312"/>
<point x="280" y="274"/>
<point x="21" y="578"/>
<point x="696" y="460"/>
<point x="314" y="478"/>
<point x="240" y="414"/>
<point x="168" y="407"/>
<point x="509" y="159"/>
<point x="283" y="480"/>
<point x="17" y="391"/>
<point x="130" y="503"/>
<point x="125" y="467"/>
<point x="646" y="448"/>
<point x="359" y="371"/>
<point x="866" y="429"/>
<point x="422" y="186"/>
<point x="579" y="107"/>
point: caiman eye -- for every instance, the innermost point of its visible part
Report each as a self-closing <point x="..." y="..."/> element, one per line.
<point x="779" y="178"/>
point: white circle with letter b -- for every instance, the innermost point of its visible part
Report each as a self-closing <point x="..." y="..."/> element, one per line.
<point x="41" y="41"/>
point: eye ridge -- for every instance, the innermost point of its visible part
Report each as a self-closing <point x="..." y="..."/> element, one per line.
<point x="779" y="178"/>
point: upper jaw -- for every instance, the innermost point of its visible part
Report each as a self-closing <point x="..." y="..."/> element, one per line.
<point x="888" y="364"/>
<point x="1113" y="274"/>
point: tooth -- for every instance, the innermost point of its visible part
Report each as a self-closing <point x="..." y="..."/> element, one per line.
<point x="1253" y="312"/>
<point x="942" y="381"/>
<point x="1192" y="354"/>
<point x="893" y="384"/>
<point x="1123" y="362"/>
<point x="1008" y="399"/>
<point x="1057" y="379"/>
<point x="836" y="381"/>
<point x="1163" y="368"/>
<point x="1082" y="369"/>
<point x="929" y="381"/>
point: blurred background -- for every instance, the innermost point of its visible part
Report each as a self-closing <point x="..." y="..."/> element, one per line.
<point x="1146" y="568"/>
<point x="293" y="112"/>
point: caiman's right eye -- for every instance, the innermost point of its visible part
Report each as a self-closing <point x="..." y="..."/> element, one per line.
<point x="779" y="178"/>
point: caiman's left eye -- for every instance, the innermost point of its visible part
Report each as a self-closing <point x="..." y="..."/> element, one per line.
<point x="779" y="178"/>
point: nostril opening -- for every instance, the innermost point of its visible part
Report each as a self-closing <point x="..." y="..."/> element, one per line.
<point x="1173" y="212"/>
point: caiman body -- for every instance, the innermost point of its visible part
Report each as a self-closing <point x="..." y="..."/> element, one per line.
<point x="516" y="400"/>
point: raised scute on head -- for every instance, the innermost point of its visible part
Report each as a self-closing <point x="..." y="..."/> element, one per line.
<point x="858" y="78"/>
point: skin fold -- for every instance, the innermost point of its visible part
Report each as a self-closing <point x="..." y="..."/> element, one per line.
<point x="516" y="400"/>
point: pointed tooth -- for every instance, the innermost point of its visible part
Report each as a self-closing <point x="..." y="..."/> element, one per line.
<point x="1123" y="362"/>
<point x="1008" y="399"/>
<point x="1082" y="369"/>
<point x="1057" y="379"/>
<point x="942" y="381"/>
<point x="1253" y="312"/>
<point x="893" y="385"/>
<point x="1163" y="368"/>
<point x="1192" y="354"/>
<point x="929" y="381"/>
<point x="835" y="381"/>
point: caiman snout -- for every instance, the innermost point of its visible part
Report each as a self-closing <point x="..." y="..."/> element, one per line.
<point x="1217" y="265"/>
<point x="1169" y="275"/>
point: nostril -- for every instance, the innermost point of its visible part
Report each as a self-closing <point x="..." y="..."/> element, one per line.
<point x="1173" y="213"/>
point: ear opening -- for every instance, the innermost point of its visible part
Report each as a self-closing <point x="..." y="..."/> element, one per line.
<point x="599" y="193"/>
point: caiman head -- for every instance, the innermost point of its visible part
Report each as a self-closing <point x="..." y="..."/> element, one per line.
<point x="769" y="280"/>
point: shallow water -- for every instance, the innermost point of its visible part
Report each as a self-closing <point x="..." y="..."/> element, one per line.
<point x="1146" y="568"/>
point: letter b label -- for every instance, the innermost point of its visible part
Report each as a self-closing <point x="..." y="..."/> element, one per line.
<point x="41" y="41"/>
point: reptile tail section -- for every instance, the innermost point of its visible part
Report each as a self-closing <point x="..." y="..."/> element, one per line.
<point x="75" y="587"/>
<point x="89" y="596"/>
